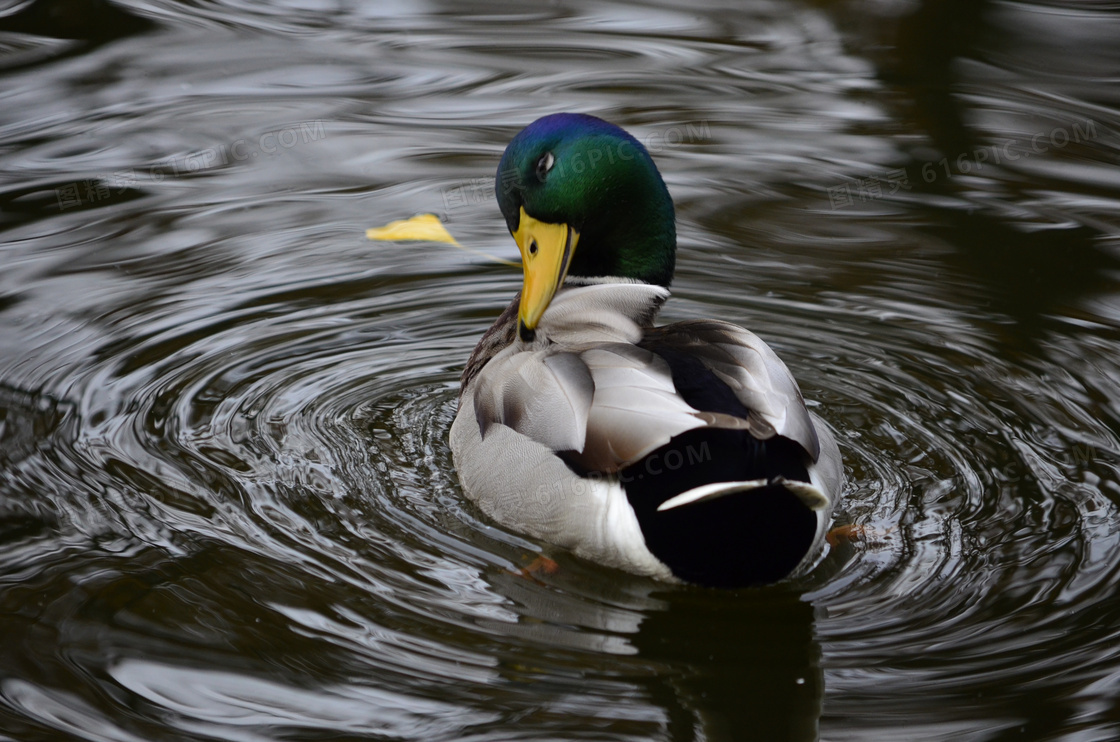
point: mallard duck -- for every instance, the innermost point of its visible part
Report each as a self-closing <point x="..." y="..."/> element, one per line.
<point x="683" y="452"/>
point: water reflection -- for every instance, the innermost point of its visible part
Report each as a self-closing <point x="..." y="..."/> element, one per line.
<point x="736" y="663"/>
<point x="938" y="58"/>
<point x="86" y="20"/>
<point x="690" y="663"/>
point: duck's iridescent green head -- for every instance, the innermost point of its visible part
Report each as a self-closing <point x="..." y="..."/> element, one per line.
<point x="583" y="198"/>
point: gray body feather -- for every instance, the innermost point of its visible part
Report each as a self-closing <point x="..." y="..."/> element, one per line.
<point x="586" y="389"/>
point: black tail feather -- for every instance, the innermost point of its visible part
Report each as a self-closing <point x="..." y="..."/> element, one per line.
<point x="744" y="538"/>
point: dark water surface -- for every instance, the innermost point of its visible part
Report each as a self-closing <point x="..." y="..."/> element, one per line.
<point x="227" y="504"/>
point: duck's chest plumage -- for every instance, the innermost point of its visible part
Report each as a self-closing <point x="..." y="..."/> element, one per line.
<point x="680" y="452"/>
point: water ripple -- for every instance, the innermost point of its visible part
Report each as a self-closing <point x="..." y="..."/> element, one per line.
<point x="227" y="504"/>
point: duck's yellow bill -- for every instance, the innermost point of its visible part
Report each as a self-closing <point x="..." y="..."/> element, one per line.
<point x="546" y="253"/>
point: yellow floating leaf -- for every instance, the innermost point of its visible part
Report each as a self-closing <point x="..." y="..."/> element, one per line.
<point x="429" y="228"/>
<point x="426" y="227"/>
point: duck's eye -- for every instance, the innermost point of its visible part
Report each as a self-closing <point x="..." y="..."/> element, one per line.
<point x="544" y="164"/>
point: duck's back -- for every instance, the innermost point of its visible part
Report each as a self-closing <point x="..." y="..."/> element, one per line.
<point x="681" y="451"/>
